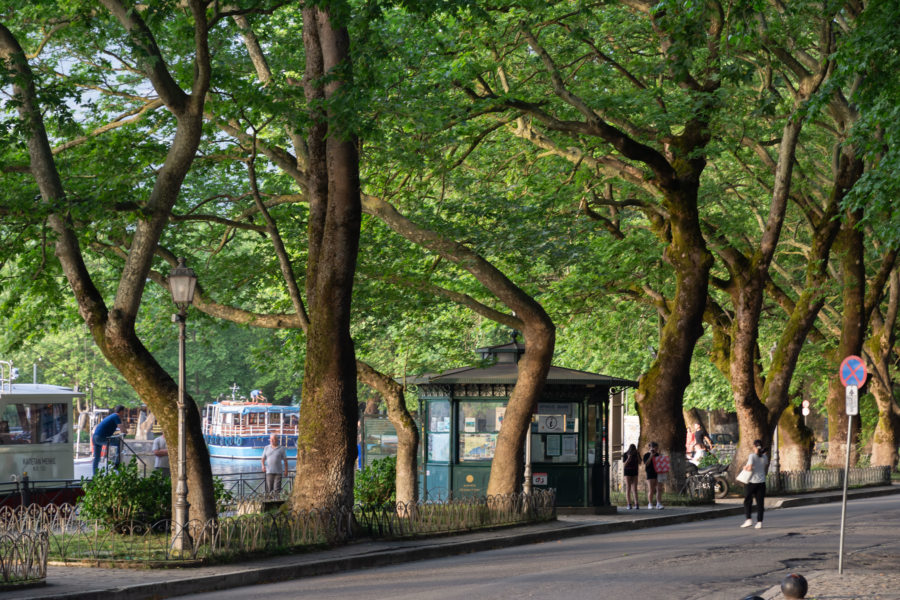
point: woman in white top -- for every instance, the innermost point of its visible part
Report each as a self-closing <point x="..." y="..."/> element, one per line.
<point x="757" y="464"/>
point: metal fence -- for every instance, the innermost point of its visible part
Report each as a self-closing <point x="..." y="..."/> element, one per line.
<point x="248" y="485"/>
<point x="462" y="514"/>
<point x="797" y="482"/>
<point x="23" y="556"/>
<point x="70" y="538"/>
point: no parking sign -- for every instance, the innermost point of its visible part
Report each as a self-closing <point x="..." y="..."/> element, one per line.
<point x="853" y="371"/>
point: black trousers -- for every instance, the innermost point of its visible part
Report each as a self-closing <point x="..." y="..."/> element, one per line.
<point x="758" y="491"/>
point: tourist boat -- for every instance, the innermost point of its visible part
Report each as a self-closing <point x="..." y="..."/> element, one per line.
<point x="240" y="429"/>
<point x="36" y="449"/>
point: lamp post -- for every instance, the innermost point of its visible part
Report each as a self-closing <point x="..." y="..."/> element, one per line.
<point x="182" y="281"/>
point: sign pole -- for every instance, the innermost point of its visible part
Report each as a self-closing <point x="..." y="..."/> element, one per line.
<point x="527" y="488"/>
<point x="853" y="375"/>
<point x="844" y="500"/>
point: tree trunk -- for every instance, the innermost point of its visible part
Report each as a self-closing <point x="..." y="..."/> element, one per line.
<point x="853" y="282"/>
<point x="795" y="441"/>
<point x="157" y="390"/>
<point x="880" y="348"/>
<point x="661" y="389"/>
<point x="508" y="462"/>
<point x="407" y="433"/>
<point x="326" y="446"/>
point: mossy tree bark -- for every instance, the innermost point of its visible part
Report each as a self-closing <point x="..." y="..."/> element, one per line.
<point x="113" y="328"/>
<point x="849" y="246"/>
<point x="326" y="447"/>
<point x="879" y="352"/>
<point x="661" y="389"/>
<point x="795" y="441"/>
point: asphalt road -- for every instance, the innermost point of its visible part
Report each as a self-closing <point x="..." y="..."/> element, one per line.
<point x="706" y="560"/>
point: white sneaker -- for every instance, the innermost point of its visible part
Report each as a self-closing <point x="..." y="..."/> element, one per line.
<point x="759" y="525"/>
<point x="659" y="507"/>
<point x="628" y="507"/>
<point x="747" y="523"/>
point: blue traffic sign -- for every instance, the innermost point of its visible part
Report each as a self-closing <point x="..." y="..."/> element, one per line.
<point x="853" y="371"/>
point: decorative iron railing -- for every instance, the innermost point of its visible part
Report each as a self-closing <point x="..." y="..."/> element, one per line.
<point x="70" y="538"/>
<point x="796" y="482"/>
<point x="23" y="556"/>
<point x="249" y="485"/>
<point x="463" y="514"/>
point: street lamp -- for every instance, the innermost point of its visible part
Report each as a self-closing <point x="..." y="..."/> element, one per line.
<point x="182" y="281"/>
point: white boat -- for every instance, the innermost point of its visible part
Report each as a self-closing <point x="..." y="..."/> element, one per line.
<point x="241" y="428"/>
<point x="35" y="432"/>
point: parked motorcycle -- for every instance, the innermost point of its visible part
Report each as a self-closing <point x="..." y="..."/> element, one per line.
<point x="719" y="475"/>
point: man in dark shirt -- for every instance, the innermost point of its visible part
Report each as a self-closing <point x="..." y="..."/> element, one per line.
<point x="701" y="438"/>
<point x="104" y="430"/>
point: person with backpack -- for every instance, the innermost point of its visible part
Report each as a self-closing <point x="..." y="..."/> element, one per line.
<point x="632" y="461"/>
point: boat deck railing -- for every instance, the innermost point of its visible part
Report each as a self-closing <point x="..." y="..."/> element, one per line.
<point x="248" y="430"/>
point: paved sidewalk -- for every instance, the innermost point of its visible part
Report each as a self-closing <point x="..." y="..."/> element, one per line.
<point x="85" y="583"/>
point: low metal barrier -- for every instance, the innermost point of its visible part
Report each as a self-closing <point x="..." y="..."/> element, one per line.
<point x="71" y="538"/>
<point x="796" y="482"/>
<point x="463" y="514"/>
<point x="23" y="556"/>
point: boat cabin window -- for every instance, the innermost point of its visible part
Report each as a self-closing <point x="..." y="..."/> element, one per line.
<point x="34" y="424"/>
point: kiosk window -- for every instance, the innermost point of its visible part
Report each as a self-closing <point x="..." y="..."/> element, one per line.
<point x="559" y="445"/>
<point x="34" y="424"/>
<point x="479" y="423"/>
<point x="438" y="434"/>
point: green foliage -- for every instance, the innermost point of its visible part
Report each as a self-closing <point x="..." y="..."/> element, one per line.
<point x="709" y="459"/>
<point x="117" y="495"/>
<point x="121" y="494"/>
<point x="376" y="483"/>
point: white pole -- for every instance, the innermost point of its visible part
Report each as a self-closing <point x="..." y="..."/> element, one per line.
<point x="844" y="500"/>
<point x="527" y="486"/>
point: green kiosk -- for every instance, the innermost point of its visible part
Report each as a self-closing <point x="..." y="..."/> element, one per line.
<point x="464" y="409"/>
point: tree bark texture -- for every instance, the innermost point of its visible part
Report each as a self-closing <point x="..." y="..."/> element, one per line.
<point x="849" y="246"/>
<point x="661" y="389"/>
<point x="880" y="350"/>
<point x="326" y="446"/>
<point x="407" y="433"/>
<point x="795" y="441"/>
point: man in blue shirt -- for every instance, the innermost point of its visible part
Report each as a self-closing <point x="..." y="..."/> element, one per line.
<point x="104" y="430"/>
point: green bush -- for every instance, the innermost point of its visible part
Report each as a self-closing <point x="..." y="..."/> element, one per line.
<point x="377" y="483"/>
<point x="121" y="494"/>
